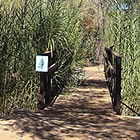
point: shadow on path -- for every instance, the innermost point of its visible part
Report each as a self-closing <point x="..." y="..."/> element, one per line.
<point x="86" y="114"/>
<point x="94" y="83"/>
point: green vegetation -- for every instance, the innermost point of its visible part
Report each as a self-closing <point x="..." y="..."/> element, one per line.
<point x="29" y="27"/>
<point x="74" y="32"/>
<point x="123" y="32"/>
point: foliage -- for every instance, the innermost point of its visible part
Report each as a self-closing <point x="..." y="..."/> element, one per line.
<point x="29" y="27"/>
<point x="92" y="30"/>
<point x="124" y="33"/>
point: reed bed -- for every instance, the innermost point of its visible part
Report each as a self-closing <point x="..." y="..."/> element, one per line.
<point x="124" y="34"/>
<point x="29" y="27"/>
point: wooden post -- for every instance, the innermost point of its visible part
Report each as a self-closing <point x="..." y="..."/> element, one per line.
<point x="44" y="85"/>
<point x="47" y="89"/>
<point x="48" y="82"/>
<point x="41" y="103"/>
<point x="117" y="96"/>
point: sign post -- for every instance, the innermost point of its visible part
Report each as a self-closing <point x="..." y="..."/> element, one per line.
<point x="42" y="66"/>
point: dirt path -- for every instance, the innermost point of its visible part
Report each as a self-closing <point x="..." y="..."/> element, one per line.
<point x="84" y="115"/>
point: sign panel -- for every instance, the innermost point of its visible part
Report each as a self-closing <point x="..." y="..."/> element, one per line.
<point x="41" y="63"/>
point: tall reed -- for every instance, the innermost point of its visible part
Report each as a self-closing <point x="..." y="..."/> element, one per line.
<point x="124" y="34"/>
<point x="29" y="27"/>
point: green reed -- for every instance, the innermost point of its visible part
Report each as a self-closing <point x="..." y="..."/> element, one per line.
<point x="124" y="34"/>
<point x="29" y="27"/>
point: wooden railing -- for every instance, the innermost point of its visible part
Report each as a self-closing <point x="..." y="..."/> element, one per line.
<point x="112" y="69"/>
<point x="47" y="94"/>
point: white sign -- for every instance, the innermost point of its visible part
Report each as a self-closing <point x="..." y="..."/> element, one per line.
<point x="41" y="63"/>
